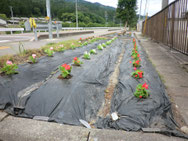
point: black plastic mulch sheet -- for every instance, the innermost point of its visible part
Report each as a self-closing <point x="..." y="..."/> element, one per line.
<point x="30" y="74"/>
<point x="68" y="101"/>
<point x="136" y="114"/>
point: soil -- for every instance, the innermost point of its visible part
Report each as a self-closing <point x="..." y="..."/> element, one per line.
<point x="68" y="77"/>
<point x="105" y="109"/>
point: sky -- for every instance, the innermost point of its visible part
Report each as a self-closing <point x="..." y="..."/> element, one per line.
<point x="153" y="6"/>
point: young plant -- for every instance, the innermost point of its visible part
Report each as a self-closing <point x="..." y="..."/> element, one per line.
<point x="65" y="70"/>
<point x="135" y="56"/>
<point x="33" y="58"/>
<point x="77" y="61"/>
<point x="134" y="40"/>
<point x="85" y="43"/>
<point x="61" y="48"/>
<point x="93" y="51"/>
<point x="138" y="74"/>
<point x="86" y="55"/>
<point x="136" y="63"/>
<point x="9" y="68"/>
<point x="113" y="39"/>
<point x="50" y="51"/>
<point x="73" y="46"/>
<point x="104" y="45"/>
<point x="142" y="91"/>
<point x="109" y="42"/>
<point x="100" y="47"/>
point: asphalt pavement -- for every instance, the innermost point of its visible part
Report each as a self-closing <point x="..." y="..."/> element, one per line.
<point x="9" y="44"/>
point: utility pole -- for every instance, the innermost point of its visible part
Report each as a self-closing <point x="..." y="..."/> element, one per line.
<point x="106" y="17"/>
<point x="145" y="7"/>
<point x="140" y="10"/>
<point x="50" y="19"/>
<point x="114" y="19"/>
<point x="77" y="13"/>
<point x="11" y="11"/>
<point x="120" y="23"/>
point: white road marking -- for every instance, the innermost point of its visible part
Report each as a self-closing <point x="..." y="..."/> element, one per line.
<point x="4" y="41"/>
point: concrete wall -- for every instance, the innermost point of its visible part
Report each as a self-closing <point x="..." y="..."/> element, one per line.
<point x="3" y="23"/>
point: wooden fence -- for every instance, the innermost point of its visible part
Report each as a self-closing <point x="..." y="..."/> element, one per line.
<point x="170" y="25"/>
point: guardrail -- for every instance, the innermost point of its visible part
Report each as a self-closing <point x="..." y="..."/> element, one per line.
<point x="170" y="26"/>
<point x="11" y="30"/>
<point x="88" y="28"/>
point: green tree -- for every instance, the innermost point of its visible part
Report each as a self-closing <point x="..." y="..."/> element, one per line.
<point x="126" y="11"/>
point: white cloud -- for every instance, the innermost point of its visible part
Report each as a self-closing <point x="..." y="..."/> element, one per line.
<point x="112" y="3"/>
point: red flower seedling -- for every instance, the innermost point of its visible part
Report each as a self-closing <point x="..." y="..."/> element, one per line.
<point x="141" y="92"/>
<point x="136" y="63"/>
<point x="77" y="61"/>
<point x="137" y="74"/>
<point x="134" y="40"/>
<point x="145" y="86"/>
<point x="65" y="70"/>
<point x="134" y="68"/>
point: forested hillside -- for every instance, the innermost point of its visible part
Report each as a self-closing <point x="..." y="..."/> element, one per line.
<point x="64" y="10"/>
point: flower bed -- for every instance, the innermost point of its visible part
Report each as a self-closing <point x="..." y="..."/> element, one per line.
<point x="137" y="102"/>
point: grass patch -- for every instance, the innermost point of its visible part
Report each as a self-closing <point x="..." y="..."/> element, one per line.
<point x="20" y="58"/>
<point x="66" y="45"/>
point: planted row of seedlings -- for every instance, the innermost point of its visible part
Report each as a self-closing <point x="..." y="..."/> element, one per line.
<point x="10" y="68"/>
<point x="141" y="89"/>
<point x="66" y="69"/>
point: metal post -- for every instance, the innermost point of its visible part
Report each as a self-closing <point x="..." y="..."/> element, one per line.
<point x="140" y="10"/>
<point x="11" y="11"/>
<point x="145" y="7"/>
<point x="57" y="27"/>
<point x="35" y="32"/>
<point x="106" y="17"/>
<point x="76" y="13"/>
<point x="50" y="19"/>
<point x="172" y="28"/>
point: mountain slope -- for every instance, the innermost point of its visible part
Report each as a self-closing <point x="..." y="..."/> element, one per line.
<point x="91" y="12"/>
